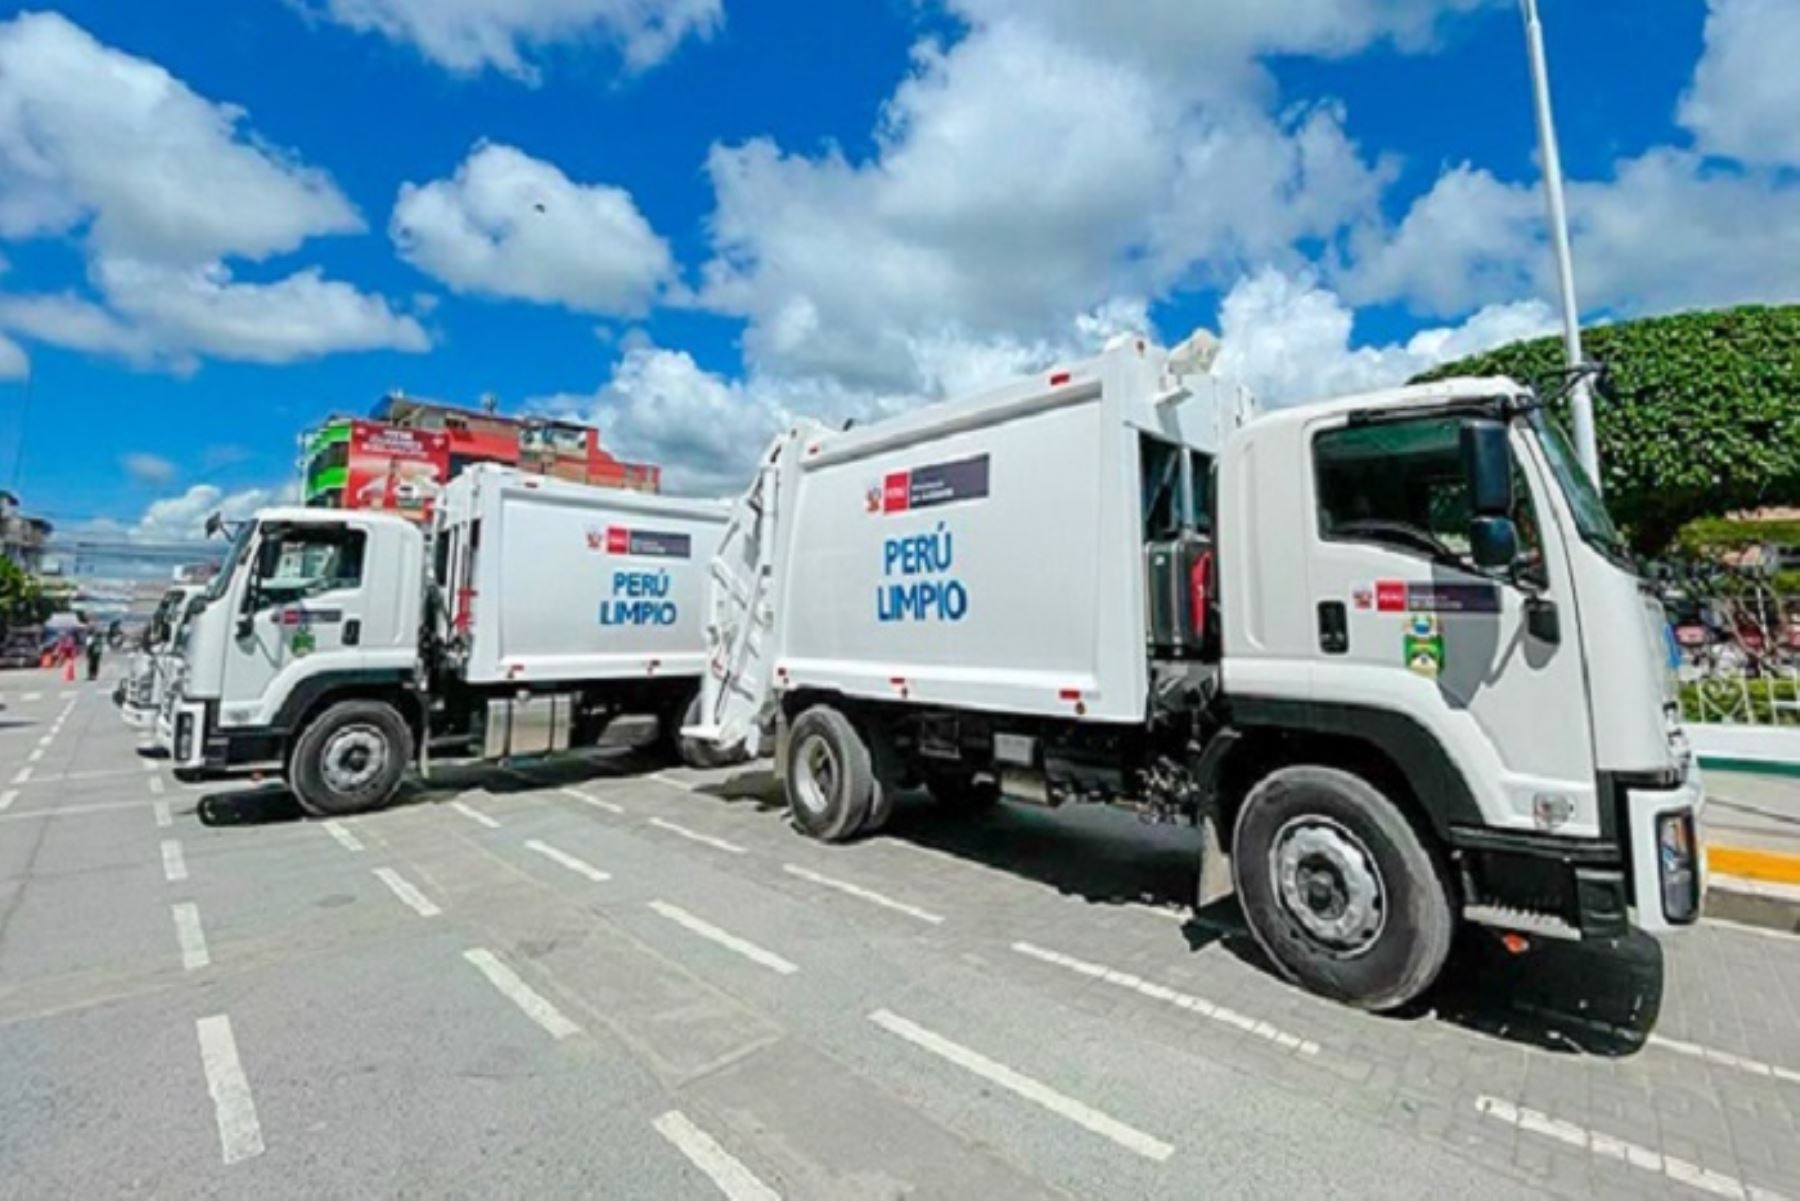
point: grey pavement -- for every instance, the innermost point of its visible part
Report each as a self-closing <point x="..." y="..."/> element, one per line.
<point x="605" y="979"/>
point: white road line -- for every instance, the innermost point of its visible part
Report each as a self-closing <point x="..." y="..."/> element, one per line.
<point x="1157" y="992"/>
<point x="36" y="754"/>
<point x="733" y="1179"/>
<point x="672" y="782"/>
<point x="731" y="942"/>
<point x="580" y="867"/>
<point x="7" y="798"/>
<point x="536" y="1007"/>
<point x="403" y="888"/>
<point x="47" y="739"/>
<point x="240" y="1135"/>
<point x="1754" y="1067"/>
<point x="1022" y="1085"/>
<point x="865" y="894"/>
<point x="174" y="863"/>
<point x="475" y="815"/>
<point x="696" y="836"/>
<point x="1742" y="928"/>
<point x="164" y="819"/>
<point x="149" y="765"/>
<point x="194" y="955"/>
<point x="156" y="786"/>
<point x="341" y="832"/>
<point x="1605" y="1146"/>
<point x="595" y="801"/>
<point x="23" y="776"/>
<point x="31" y="696"/>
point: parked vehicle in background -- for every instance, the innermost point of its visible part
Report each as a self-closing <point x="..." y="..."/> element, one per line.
<point x="339" y="647"/>
<point x="140" y="694"/>
<point x="23" y="646"/>
<point x="1387" y="652"/>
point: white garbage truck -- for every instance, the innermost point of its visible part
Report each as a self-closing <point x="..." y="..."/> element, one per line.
<point x="141" y="690"/>
<point x="1388" y="652"/>
<point x="339" y="647"/>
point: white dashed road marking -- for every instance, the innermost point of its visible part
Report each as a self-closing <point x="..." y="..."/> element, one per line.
<point x="696" y="836"/>
<point x="23" y="776"/>
<point x="1605" y="1146"/>
<point x="403" y="888"/>
<point x="36" y="754"/>
<point x="7" y="798"/>
<point x="580" y="867"/>
<point x="475" y="815"/>
<point x="1754" y="1067"/>
<point x="731" y="942"/>
<point x="865" y="894"/>
<point x="174" y="863"/>
<point x="194" y="954"/>
<point x="535" y="1006"/>
<point x="595" y="801"/>
<point x="164" y="819"/>
<point x="156" y="786"/>
<point x="1024" y="1086"/>
<point x="149" y="765"/>
<point x="1157" y="992"/>
<point x="240" y="1136"/>
<point x="733" y="1179"/>
<point x="345" y="839"/>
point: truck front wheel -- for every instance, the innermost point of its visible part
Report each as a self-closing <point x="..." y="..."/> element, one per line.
<point x="350" y="759"/>
<point x="830" y="778"/>
<point x="1339" y="889"/>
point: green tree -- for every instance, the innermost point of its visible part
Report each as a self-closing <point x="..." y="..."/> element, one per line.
<point x="1701" y="416"/>
<point x="21" y="597"/>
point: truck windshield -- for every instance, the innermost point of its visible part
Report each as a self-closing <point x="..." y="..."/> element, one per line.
<point x="1591" y="519"/>
<point x="240" y="544"/>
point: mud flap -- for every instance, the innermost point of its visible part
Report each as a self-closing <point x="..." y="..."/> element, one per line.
<point x="1215" y="865"/>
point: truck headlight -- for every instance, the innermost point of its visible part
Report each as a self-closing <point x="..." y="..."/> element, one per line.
<point x="184" y="737"/>
<point x="1675" y="861"/>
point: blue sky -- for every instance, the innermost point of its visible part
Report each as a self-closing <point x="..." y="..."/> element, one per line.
<point x="223" y="220"/>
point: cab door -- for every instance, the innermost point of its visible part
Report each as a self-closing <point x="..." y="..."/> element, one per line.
<point x="1408" y="624"/>
<point x="304" y="598"/>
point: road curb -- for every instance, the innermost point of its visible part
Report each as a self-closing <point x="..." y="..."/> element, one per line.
<point x="1732" y="895"/>
<point x="1749" y="863"/>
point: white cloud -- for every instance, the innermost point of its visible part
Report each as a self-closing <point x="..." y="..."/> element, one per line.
<point x="147" y="468"/>
<point x="88" y="134"/>
<point x="161" y="187"/>
<point x="510" y="225"/>
<point x="1667" y="231"/>
<point x="183" y="517"/>
<point x="1019" y="180"/>
<point x="203" y="310"/>
<point x="14" y="362"/>
<point x="1290" y="340"/>
<point x="1746" y="92"/>
<point x="471" y="35"/>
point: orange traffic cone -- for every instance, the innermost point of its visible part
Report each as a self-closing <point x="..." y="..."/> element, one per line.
<point x="69" y="670"/>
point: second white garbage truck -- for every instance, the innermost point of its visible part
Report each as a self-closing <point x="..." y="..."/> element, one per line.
<point x="341" y="647"/>
<point x="1388" y="652"/>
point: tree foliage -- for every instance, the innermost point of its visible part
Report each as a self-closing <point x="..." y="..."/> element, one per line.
<point x="1701" y="416"/>
<point x="21" y="596"/>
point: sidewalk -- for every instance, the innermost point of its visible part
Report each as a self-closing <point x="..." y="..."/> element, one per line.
<point x="1751" y="829"/>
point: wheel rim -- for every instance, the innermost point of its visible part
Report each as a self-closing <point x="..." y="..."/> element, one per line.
<point x="1329" y="885"/>
<point x="815" y="775"/>
<point x="353" y="757"/>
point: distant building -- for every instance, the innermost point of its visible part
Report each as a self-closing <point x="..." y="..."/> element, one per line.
<point x="22" y="538"/>
<point x="402" y="454"/>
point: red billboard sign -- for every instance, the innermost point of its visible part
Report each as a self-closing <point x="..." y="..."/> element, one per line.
<point x="396" y="470"/>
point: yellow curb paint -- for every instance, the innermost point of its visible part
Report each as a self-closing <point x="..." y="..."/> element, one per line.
<point x="1771" y="866"/>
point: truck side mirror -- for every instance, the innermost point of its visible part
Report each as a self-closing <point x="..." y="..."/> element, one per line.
<point x="1487" y="462"/>
<point x="1494" y="542"/>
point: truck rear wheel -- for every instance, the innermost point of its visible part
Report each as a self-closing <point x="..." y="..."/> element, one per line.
<point x="351" y="759"/>
<point x="1339" y="889"/>
<point x="830" y="778"/>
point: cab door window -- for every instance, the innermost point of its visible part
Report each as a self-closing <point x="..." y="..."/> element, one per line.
<point x="1402" y="484"/>
<point x="314" y="560"/>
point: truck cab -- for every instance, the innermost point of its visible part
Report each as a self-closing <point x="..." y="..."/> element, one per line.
<point x="308" y="601"/>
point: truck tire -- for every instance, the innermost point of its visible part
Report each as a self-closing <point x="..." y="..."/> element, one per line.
<point x="830" y="778"/>
<point x="1339" y="889"/>
<point x="962" y="791"/>
<point x="350" y="759"/>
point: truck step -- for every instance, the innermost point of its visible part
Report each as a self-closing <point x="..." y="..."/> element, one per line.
<point x="1528" y="921"/>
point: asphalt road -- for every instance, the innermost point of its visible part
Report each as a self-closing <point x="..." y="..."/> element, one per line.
<point x="605" y="980"/>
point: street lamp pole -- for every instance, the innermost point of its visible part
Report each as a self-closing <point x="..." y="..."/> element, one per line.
<point x="1581" y="397"/>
